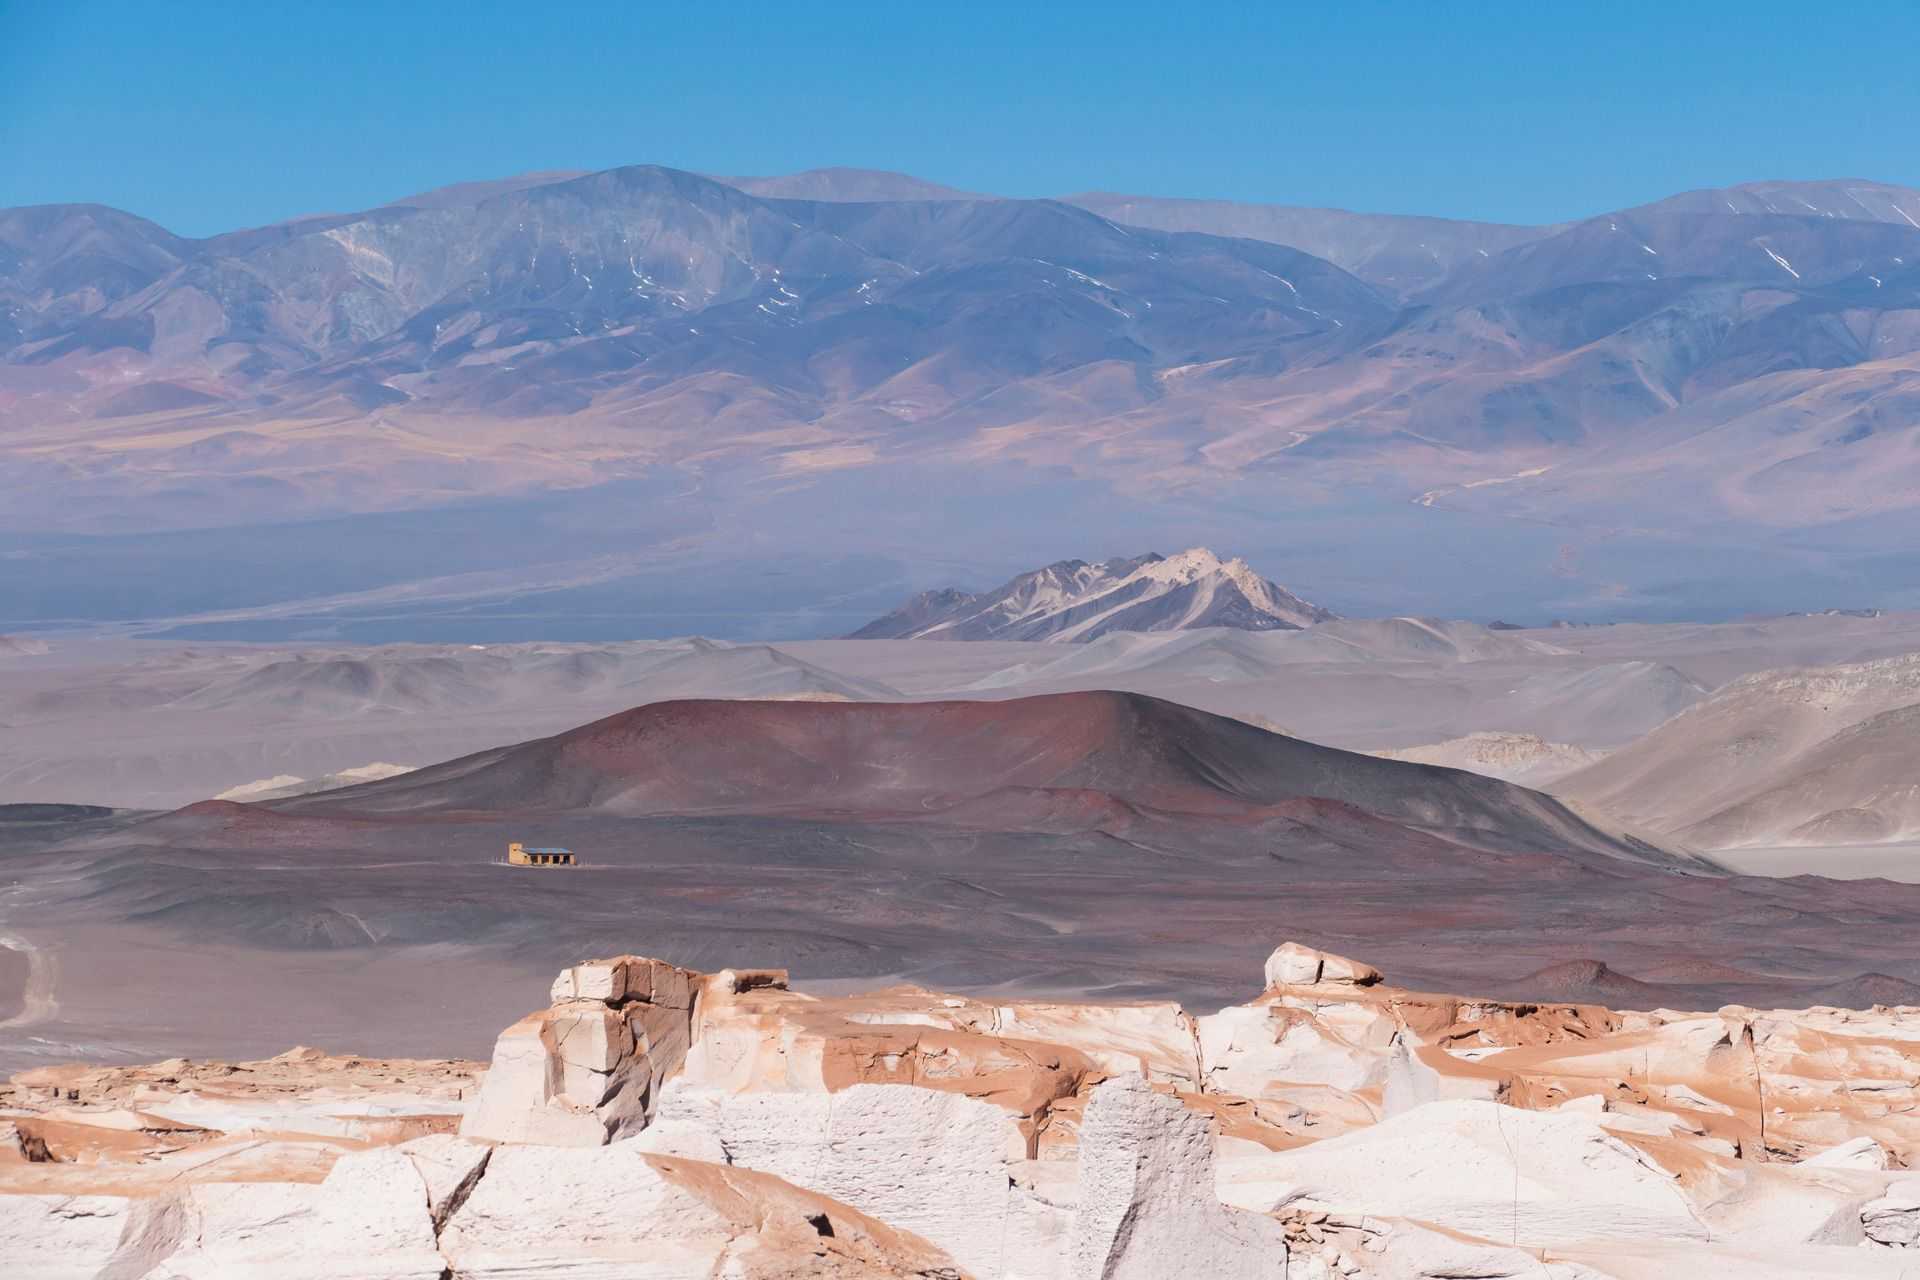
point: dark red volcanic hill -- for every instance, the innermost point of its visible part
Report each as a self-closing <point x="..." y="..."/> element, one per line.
<point x="885" y="760"/>
<point x="1088" y="842"/>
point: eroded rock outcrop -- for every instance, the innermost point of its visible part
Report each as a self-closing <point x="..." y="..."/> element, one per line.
<point x="1146" y="1207"/>
<point x="588" y="1069"/>
<point x="619" y="1211"/>
<point x="1292" y="965"/>
<point x="654" y="1122"/>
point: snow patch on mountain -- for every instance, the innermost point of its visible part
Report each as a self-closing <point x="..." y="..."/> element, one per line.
<point x="1074" y="601"/>
<point x="286" y="785"/>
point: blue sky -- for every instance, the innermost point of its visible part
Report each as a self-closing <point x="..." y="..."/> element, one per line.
<point x="207" y="117"/>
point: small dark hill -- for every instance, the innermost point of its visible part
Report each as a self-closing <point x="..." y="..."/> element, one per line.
<point x="1592" y="981"/>
<point x="32" y="813"/>
<point x="1865" y="989"/>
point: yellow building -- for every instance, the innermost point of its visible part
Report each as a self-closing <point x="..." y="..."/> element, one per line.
<point x="520" y="856"/>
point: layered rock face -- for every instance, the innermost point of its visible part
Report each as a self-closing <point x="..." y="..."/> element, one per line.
<point x="656" y="1123"/>
<point x="589" y="1068"/>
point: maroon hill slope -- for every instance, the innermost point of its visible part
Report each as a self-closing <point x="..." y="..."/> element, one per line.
<point x="884" y="760"/>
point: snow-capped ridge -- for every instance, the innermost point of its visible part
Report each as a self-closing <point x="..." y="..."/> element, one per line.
<point x="1077" y="600"/>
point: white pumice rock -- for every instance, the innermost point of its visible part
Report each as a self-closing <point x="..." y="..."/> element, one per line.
<point x="1411" y="1080"/>
<point x="603" y="980"/>
<point x="1156" y="1040"/>
<point x="1246" y="1048"/>
<point x="368" y="1221"/>
<point x="1401" y="1250"/>
<point x="1489" y="1170"/>
<point x="726" y="1127"/>
<point x="935" y="1163"/>
<point x="60" y="1237"/>
<point x="1786" y="1206"/>
<point x="618" y="1213"/>
<point x="1147" y="1208"/>
<point x="578" y="1212"/>
<point x="1855" y="1153"/>
<point x="1294" y="965"/>
<point x="450" y="1166"/>
<point x="674" y="1137"/>
<point x="1894" y="1218"/>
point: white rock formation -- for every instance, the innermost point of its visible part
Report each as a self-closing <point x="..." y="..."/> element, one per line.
<point x="1146" y="1204"/>
<point x="618" y="1213"/>
<point x="1292" y="965"/>
<point x="656" y="1124"/>
<point x="588" y="1069"/>
<point x="939" y="1164"/>
<point x="1894" y="1218"/>
<point x="1855" y="1153"/>
<point x="1488" y="1170"/>
<point x="60" y="1237"/>
<point x="369" y="1220"/>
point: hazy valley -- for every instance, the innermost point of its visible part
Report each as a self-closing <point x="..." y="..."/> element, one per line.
<point x="1701" y="404"/>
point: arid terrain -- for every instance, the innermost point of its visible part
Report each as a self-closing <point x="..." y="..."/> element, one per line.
<point x="906" y="642"/>
<point x="481" y="469"/>
<point x="984" y="815"/>
<point x="995" y="840"/>
<point x="650" y="1121"/>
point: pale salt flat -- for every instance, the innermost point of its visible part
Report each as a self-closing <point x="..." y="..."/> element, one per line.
<point x="1900" y="861"/>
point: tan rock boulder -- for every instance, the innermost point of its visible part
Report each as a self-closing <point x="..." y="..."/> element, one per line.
<point x="1292" y="965"/>
<point x="21" y="1147"/>
<point x="589" y="1068"/>
<point x="1894" y="1218"/>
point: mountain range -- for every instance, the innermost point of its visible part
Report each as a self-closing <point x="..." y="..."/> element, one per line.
<point x="1638" y="392"/>
<point x="1071" y="600"/>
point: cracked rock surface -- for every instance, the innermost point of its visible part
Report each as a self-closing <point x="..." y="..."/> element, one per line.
<point x="657" y="1123"/>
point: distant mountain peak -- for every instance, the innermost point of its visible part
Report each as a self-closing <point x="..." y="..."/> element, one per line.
<point x="1076" y="601"/>
<point x="842" y="184"/>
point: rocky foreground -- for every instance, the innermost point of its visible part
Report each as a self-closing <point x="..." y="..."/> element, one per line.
<point x="657" y="1123"/>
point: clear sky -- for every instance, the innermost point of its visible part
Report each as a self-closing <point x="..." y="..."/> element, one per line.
<point x="207" y="117"/>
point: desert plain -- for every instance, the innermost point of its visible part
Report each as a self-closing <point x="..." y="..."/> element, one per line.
<point x="1133" y="817"/>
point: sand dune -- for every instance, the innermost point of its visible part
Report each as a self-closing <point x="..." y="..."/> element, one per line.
<point x="1515" y="757"/>
<point x="1816" y="756"/>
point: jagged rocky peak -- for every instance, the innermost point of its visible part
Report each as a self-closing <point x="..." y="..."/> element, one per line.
<point x="1077" y="601"/>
